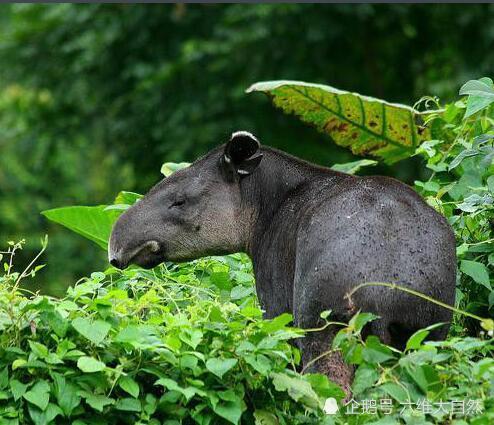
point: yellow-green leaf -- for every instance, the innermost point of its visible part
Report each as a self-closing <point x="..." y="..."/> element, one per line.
<point x="16" y="364"/>
<point x="488" y="325"/>
<point x="90" y="364"/>
<point x="365" y="125"/>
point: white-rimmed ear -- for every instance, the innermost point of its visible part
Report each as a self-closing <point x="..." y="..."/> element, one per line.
<point x="242" y="153"/>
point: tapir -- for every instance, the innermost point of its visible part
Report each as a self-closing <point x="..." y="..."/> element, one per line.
<point x="313" y="235"/>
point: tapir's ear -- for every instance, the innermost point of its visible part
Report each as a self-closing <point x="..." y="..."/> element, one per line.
<point x="242" y="153"/>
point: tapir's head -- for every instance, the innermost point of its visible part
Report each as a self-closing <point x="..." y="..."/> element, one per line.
<point x="194" y="212"/>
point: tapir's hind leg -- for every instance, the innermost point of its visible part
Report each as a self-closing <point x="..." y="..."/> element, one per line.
<point x="318" y="357"/>
<point x="316" y="347"/>
<point x="381" y="329"/>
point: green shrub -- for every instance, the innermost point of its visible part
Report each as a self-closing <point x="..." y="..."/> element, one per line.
<point x="187" y="344"/>
<point x="184" y="344"/>
<point x="446" y="382"/>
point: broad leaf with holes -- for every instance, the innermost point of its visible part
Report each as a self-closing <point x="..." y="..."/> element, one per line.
<point x="365" y="125"/>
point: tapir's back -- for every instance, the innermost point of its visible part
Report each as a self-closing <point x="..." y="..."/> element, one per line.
<point x="376" y="229"/>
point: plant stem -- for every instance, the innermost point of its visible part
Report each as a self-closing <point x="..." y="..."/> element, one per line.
<point x="412" y="292"/>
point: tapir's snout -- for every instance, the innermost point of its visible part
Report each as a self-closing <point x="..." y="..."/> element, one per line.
<point x="144" y="255"/>
<point x="126" y="247"/>
<point x="116" y="261"/>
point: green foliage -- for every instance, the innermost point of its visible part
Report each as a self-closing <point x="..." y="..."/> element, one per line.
<point x="365" y="125"/>
<point x="171" y="346"/>
<point x="460" y="186"/>
<point x="95" y="223"/>
<point x="150" y="347"/>
<point x="429" y="383"/>
<point x="480" y="95"/>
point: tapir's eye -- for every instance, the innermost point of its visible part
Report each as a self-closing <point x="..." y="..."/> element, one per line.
<point x="177" y="203"/>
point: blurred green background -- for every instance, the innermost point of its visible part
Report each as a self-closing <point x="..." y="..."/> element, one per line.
<point x="94" y="98"/>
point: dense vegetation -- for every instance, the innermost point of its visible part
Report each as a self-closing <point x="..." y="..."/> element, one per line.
<point x="187" y="343"/>
<point x="93" y="98"/>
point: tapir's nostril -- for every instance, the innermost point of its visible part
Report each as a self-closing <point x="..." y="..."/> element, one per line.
<point x="116" y="263"/>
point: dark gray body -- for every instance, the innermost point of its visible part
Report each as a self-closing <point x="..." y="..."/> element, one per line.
<point x="313" y="234"/>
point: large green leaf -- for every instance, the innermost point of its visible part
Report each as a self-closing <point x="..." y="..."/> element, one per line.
<point x="39" y="394"/>
<point x="129" y="385"/>
<point x="66" y="393"/>
<point x="298" y="389"/>
<point x="94" y="223"/>
<point x="477" y="271"/>
<point x="220" y="366"/>
<point x="365" y="125"/>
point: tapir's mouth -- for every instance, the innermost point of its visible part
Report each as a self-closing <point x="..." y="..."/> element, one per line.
<point x="148" y="261"/>
<point x="147" y="255"/>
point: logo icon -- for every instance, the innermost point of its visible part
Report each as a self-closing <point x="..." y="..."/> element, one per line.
<point x="330" y="406"/>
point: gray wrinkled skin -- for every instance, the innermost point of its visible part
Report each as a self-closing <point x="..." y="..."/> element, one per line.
<point x="312" y="233"/>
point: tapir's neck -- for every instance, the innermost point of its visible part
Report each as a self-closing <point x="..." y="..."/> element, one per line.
<point x="267" y="189"/>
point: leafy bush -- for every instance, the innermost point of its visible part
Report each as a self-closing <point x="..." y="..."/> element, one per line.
<point x="187" y="344"/>
<point x="175" y="345"/>
<point x="461" y="187"/>
<point x="428" y="383"/>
